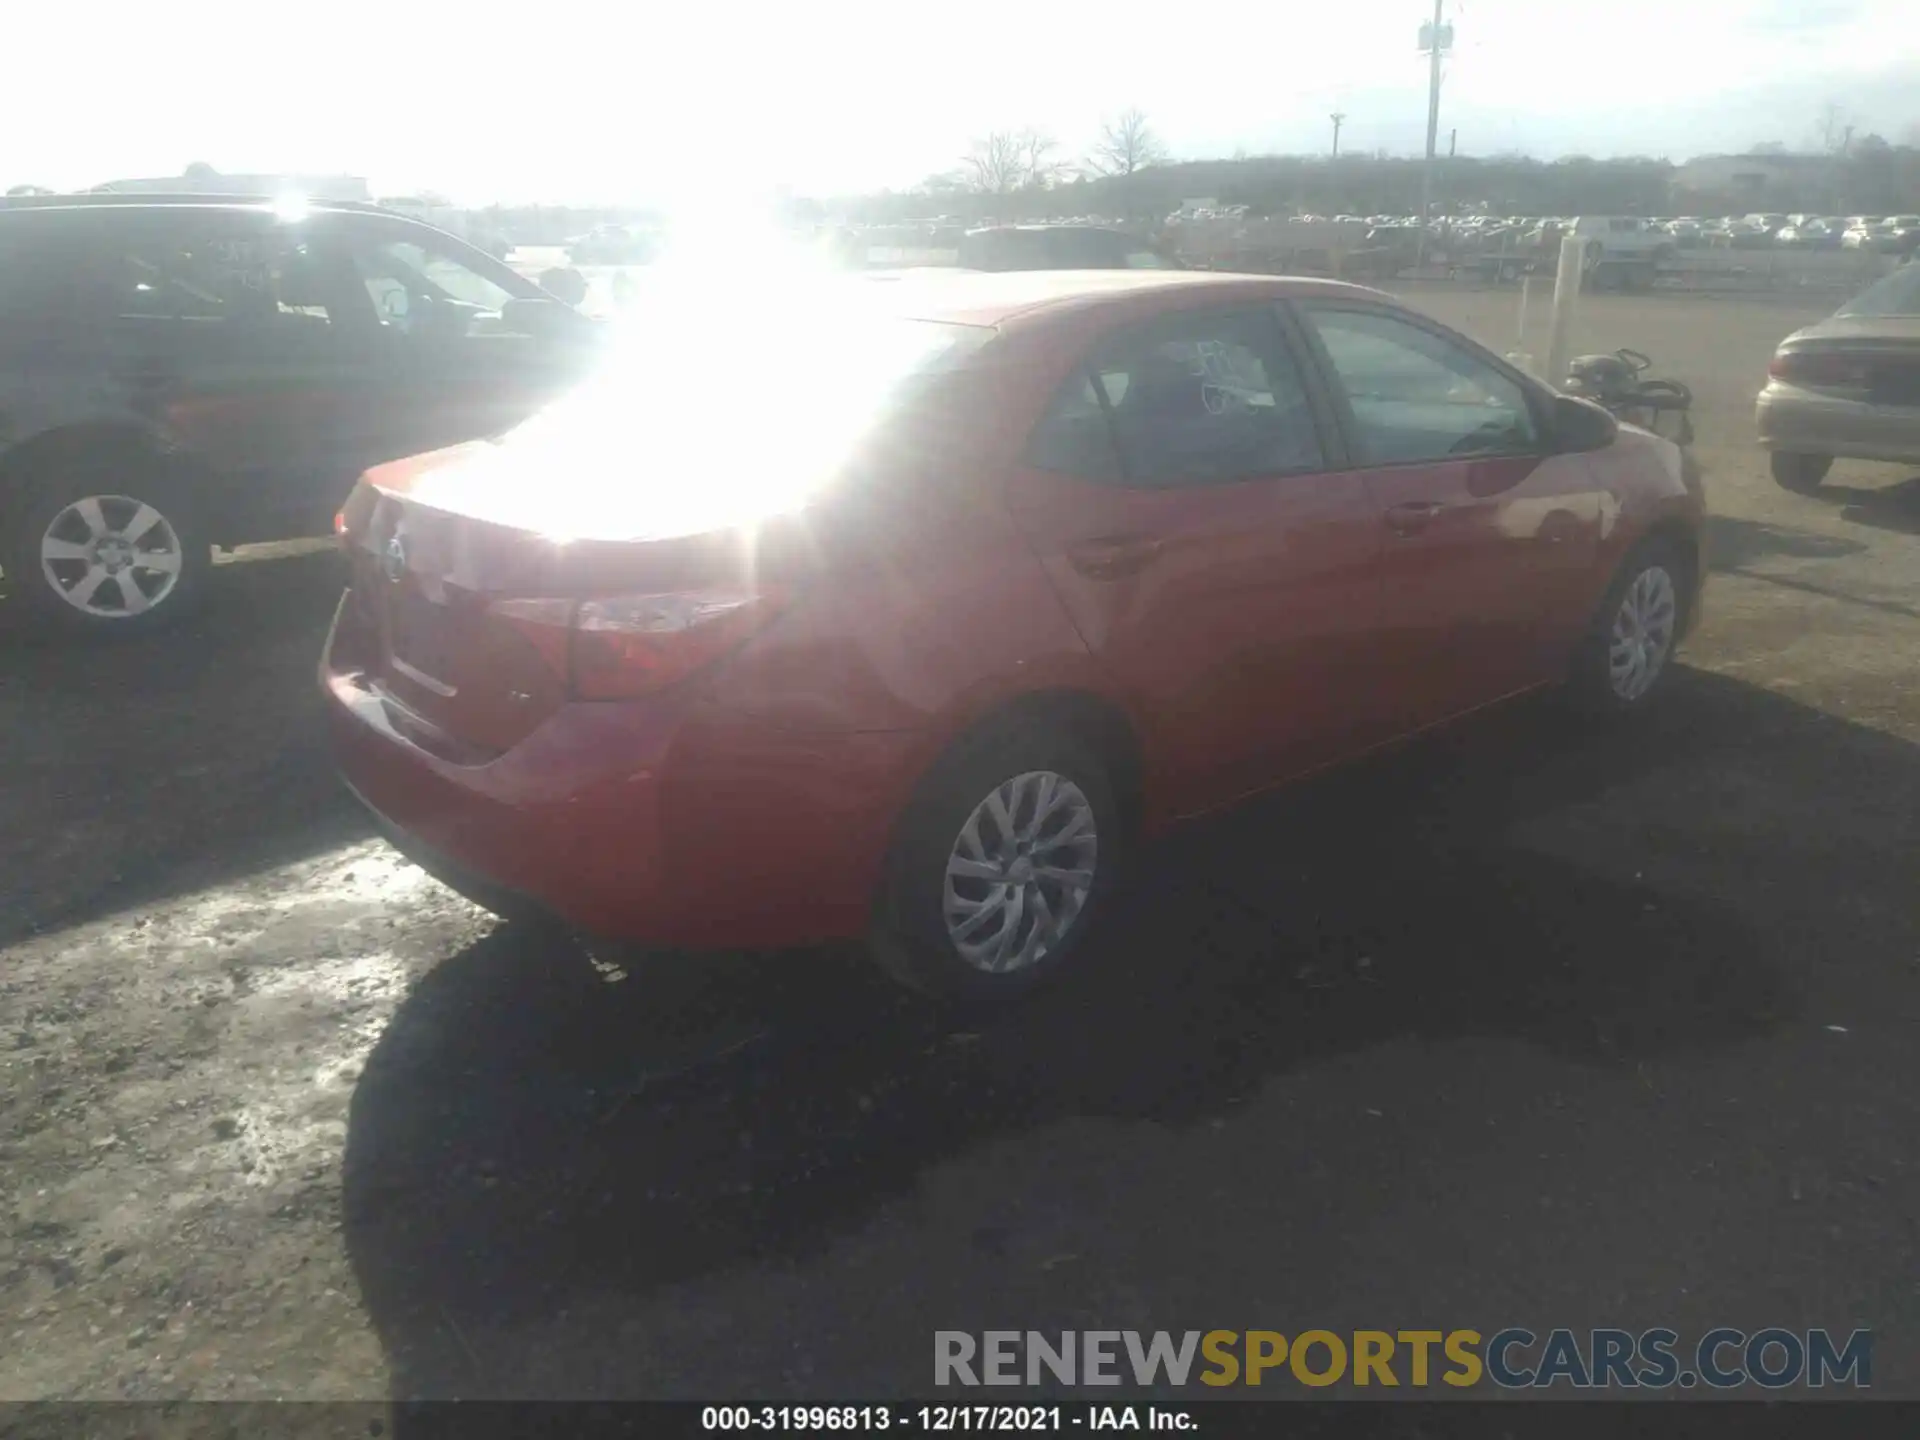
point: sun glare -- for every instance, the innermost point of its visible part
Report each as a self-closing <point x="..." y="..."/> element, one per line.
<point x="721" y="404"/>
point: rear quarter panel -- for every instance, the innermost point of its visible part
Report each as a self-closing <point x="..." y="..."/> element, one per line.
<point x="928" y="615"/>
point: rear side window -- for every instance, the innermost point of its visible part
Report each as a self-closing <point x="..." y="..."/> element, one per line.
<point x="38" y="268"/>
<point x="1202" y="399"/>
<point x="223" y="269"/>
<point x="1075" y="436"/>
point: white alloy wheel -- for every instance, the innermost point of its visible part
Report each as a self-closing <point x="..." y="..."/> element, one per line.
<point x="1641" y="636"/>
<point x="111" y="557"/>
<point x="1020" y="872"/>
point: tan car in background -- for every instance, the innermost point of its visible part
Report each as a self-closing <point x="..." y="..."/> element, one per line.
<point x="1847" y="388"/>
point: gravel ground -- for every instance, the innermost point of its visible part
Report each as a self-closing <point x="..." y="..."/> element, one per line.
<point x="1527" y="1024"/>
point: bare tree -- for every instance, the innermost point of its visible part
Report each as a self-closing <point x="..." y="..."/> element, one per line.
<point x="1039" y="158"/>
<point x="1832" y="129"/>
<point x="1008" y="160"/>
<point x="997" y="163"/>
<point x="1126" y="144"/>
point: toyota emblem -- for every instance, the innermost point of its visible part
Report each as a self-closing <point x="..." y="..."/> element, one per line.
<point x="393" y="559"/>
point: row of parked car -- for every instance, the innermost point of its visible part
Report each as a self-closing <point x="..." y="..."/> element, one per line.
<point x="1879" y="234"/>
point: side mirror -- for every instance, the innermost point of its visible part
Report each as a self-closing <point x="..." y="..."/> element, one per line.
<point x="1579" y="426"/>
<point x="565" y="284"/>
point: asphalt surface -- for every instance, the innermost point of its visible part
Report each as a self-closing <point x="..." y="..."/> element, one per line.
<point x="1532" y="1023"/>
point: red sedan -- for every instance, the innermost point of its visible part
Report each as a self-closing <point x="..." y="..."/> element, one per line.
<point x="904" y="611"/>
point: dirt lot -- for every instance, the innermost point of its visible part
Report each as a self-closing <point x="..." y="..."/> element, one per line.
<point x="1528" y="1024"/>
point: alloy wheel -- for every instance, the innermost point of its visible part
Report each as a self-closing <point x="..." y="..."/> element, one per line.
<point x="111" y="557"/>
<point x="1642" y="635"/>
<point x="1020" y="872"/>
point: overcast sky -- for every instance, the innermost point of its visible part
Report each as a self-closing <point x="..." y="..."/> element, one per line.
<point x="625" y="102"/>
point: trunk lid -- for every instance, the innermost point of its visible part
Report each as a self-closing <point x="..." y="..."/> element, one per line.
<point x="469" y="607"/>
<point x="1875" y="359"/>
<point x="637" y="528"/>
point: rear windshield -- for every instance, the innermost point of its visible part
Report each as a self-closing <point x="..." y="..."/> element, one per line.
<point x="702" y="394"/>
<point x="1896" y="294"/>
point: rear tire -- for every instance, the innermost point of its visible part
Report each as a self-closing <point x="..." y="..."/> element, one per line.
<point x="1627" y="653"/>
<point x="1801" y="474"/>
<point x="970" y="897"/>
<point x="111" y="545"/>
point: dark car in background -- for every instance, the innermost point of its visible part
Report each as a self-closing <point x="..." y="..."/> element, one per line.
<point x="611" y="245"/>
<point x="1385" y="252"/>
<point x="183" y="372"/>
<point x="1059" y="247"/>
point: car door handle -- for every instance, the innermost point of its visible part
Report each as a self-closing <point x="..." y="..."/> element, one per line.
<point x="1413" y="516"/>
<point x="1113" y="557"/>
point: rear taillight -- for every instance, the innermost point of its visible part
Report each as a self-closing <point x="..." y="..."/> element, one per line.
<point x="625" y="646"/>
<point x="544" y="624"/>
<point x="351" y="523"/>
<point x="1817" y="367"/>
<point x="635" y="644"/>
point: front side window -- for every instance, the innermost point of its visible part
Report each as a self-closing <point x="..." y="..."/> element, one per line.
<point x="1201" y="399"/>
<point x="1417" y="396"/>
<point x="423" y="291"/>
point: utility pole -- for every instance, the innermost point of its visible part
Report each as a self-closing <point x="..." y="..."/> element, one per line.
<point x="1435" y="38"/>
<point x="1339" y="118"/>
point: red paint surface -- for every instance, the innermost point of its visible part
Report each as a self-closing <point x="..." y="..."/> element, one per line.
<point x="1248" y="633"/>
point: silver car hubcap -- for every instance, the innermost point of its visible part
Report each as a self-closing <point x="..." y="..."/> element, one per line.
<point x="1020" y="871"/>
<point x="1642" y="635"/>
<point x="111" y="557"/>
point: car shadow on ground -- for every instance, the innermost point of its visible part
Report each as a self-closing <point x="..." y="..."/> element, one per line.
<point x="123" y="785"/>
<point x="1733" y="543"/>
<point x="1894" y="507"/>
<point x="529" y="1138"/>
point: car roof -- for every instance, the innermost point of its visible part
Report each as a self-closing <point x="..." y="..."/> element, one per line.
<point x="1016" y="298"/>
<point x="130" y="200"/>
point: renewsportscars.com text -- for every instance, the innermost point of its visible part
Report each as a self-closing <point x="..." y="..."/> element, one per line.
<point x="1514" y="1358"/>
